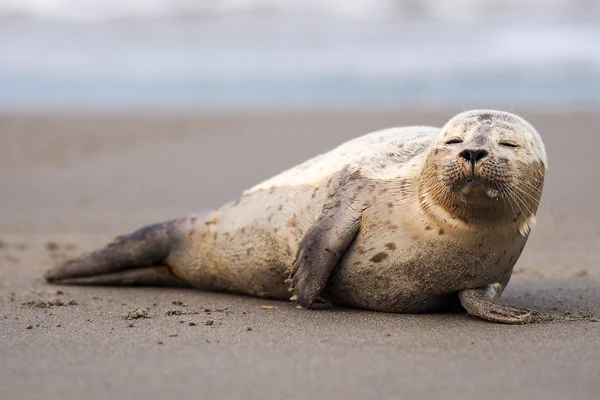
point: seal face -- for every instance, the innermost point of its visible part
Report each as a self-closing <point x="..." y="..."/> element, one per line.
<point x="488" y="155"/>
<point x="400" y="220"/>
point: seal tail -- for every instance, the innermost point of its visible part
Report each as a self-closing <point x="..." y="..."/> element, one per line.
<point x="134" y="259"/>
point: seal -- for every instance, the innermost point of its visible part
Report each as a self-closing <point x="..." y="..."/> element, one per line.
<point x="406" y="220"/>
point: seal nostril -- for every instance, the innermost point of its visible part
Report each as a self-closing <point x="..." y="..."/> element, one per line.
<point x="472" y="156"/>
<point x="465" y="155"/>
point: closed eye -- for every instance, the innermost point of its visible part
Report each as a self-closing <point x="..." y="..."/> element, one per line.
<point x="508" y="144"/>
<point x="454" y="141"/>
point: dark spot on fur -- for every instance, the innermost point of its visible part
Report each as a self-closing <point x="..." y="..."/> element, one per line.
<point x="441" y="231"/>
<point x="427" y="228"/>
<point x="394" y="227"/>
<point x="249" y="250"/>
<point x="243" y="230"/>
<point x="390" y="204"/>
<point x="356" y="263"/>
<point x="484" y="119"/>
<point x="436" y="151"/>
<point x="382" y="191"/>
<point x="390" y="246"/>
<point x="379" y="257"/>
<point x="354" y="175"/>
<point x="514" y="220"/>
<point x="275" y="230"/>
<point x="511" y="259"/>
<point x="280" y="207"/>
<point x="270" y="218"/>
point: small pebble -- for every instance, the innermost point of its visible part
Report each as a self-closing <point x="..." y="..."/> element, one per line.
<point x="52" y="246"/>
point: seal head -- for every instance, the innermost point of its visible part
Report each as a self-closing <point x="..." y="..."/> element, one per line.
<point x="484" y="166"/>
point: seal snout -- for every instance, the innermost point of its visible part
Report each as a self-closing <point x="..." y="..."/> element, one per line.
<point x="472" y="156"/>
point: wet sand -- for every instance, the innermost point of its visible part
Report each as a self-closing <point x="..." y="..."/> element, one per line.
<point x="70" y="183"/>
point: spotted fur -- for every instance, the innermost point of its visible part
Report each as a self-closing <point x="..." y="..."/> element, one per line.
<point x="397" y="220"/>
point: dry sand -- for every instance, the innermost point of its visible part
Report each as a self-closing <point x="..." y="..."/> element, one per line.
<point x="69" y="183"/>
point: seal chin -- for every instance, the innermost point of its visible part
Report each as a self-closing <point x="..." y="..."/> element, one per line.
<point x="477" y="186"/>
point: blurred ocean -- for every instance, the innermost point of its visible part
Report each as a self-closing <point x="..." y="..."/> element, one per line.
<point x="264" y="53"/>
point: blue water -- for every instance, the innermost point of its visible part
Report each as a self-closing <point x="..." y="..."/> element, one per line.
<point x="454" y="52"/>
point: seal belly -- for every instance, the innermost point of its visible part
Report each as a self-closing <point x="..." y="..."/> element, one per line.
<point x="413" y="278"/>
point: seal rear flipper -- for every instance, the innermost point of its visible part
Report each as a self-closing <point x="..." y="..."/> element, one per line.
<point x="146" y="247"/>
<point x="160" y="275"/>
<point x="328" y="238"/>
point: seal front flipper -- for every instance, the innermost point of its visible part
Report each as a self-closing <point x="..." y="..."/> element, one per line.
<point x="328" y="238"/>
<point x="482" y="303"/>
<point x="137" y="258"/>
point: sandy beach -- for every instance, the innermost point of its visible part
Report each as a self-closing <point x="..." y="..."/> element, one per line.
<point x="69" y="183"/>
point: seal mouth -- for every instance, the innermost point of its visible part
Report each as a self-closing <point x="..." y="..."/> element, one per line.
<point x="472" y="185"/>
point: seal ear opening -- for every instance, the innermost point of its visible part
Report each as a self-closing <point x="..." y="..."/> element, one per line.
<point x="145" y="248"/>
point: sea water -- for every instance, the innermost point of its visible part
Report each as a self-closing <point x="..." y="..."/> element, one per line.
<point x="276" y="53"/>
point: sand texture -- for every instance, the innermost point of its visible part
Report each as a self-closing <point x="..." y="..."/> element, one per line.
<point x="70" y="183"/>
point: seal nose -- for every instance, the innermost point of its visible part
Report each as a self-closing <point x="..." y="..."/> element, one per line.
<point x="472" y="156"/>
